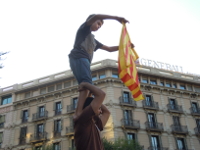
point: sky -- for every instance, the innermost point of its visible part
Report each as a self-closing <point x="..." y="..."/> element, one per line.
<point x="40" y="34"/>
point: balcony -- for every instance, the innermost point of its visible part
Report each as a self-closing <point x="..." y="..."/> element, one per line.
<point x="195" y="111"/>
<point x="130" y="124"/>
<point x="127" y="102"/>
<point x="57" y="133"/>
<point x="70" y="131"/>
<point x="1" y="125"/>
<point x="179" y="129"/>
<point x="154" y="126"/>
<point x="58" y="112"/>
<point x="197" y="131"/>
<point x="175" y="108"/>
<point x="71" y="108"/>
<point x="22" y="140"/>
<point x="157" y="148"/>
<point x="24" y="120"/>
<point x="38" y="137"/>
<point x="150" y="105"/>
<point x="40" y="116"/>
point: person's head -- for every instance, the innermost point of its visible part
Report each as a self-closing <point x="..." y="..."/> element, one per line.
<point x="96" y="25"/>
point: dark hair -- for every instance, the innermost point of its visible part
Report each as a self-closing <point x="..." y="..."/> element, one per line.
<point x="90" y="16"/>
<point x="88" y="101"/>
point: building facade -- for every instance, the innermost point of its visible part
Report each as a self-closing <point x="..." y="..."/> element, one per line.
<point x="38" y="113"/>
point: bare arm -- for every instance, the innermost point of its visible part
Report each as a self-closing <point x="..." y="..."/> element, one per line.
<point x="113" y="48"/>
<point x="105" y="115"/>
<point x="102" y="17"/>
<point x="99" y="95"/>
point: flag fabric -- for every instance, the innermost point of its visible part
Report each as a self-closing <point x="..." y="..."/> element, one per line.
<point x="126" y="65"/>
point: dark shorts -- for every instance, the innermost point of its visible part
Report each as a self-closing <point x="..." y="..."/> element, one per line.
<point x="81" y="69"/>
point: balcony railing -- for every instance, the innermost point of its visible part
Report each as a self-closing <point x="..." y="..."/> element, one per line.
<point x="36" y="137"/>
<point x="179" y="129"/>
<point x="22" y="140"/>
<point x="150" y="105"/>
<point x="1" y="125"/>
<point x="71" y="108"/>
<point x="127" y="101"/>
<point x="197" y="131"/>
<point x="40" y="116"/>
<point x="58" y="111"/>
<point x="195" y="111"/>
<point x="154" y="126"/>
<point x="70" y="130"/>
<point x="175" y="108"/>
<point x="157" y="148"/>
<point x="24" y="120"/>
<point x="57" y="133"/>
<point x="130" y="123"/>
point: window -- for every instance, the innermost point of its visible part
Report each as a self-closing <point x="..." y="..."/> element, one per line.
<point x="174" y="85"/>
<point x="172" y="103"/>
<point x="144" y="80"/>
<point x="115" y="75"/>
<point x="24" y="115"/>
<point x="56" y="146"/>
<point x="189" y="87"/>
<point x="182" y="87"/>
<point x="131" y="136"/>
<point x="40" y="131"/>
<point x="126" y="98"/>
<point x="51" y="88"/>
<point x="75" y="101"/>
<point x="28" y="94"/>
<point x="41" y="111"/>
<point x="176" y="121"/>
<point x="67" y="84"/>
<point x="198" y="123"/>
<point x="23" y="132"/>
<point x="43" y="91"/>
<point x="6" y="100"/>
<point x="59" y="86"/>
<point x="151" y="120"/>
<point x="153" y="82"/>
<point x="197" y="89"/>
<point x="155" y="142"/>
<point x="102" y="75"/>
<point x="57" y="125"/>
<point x="149" y="101"/>
<point x="1" y="138"/>
<point x="161" y="83"/>
<point x="128" y="117"/>
<point x="194" y="107"/>
<point x="168" y="84"/>
<point x="181" y="144"/>
<point x="94" y="77"/>
<point x="58" y="108"/>
<point x="2" y="121"/>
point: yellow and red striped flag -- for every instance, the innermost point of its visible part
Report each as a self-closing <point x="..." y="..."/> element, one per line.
<point x="126" y="65"/>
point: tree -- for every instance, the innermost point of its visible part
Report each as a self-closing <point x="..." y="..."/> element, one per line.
<point x="121" y="144"/>
<point x="1" y="54"/>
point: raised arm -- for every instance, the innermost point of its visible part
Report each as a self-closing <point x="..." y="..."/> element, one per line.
<point x="113" y="48"/>
<point x="99" y="95"/>
<point x="105" y="114"/>
<point x="103" y="17"/>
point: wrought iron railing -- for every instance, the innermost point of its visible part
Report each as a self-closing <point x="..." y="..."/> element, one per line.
<point x="40" y="115"/>
<point x="58" y="111"/>
<point x="24" y="120"/>
<point x="70" y="130"/>
<point x="195" y="110"/>
<point x="179" y="129"/>
<point x="57" y="133"/>
<point x="177" y="108"/>
<point x="71" y="108"/>
<point x="157" y="148"/>
<point x="22" y="140"/>
<point x="38" y="136"/>
<point x="127" y="101"/>
<point x="197" y="131"/>
<point x="150" y="104"/>
<point x="154" y="126"/>
<point x="130" y="123"/>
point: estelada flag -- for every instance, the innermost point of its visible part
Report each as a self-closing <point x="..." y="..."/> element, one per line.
<point x="126" y="65"/>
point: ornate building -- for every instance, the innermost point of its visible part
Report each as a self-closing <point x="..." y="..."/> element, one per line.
<point x="39" y="112"/>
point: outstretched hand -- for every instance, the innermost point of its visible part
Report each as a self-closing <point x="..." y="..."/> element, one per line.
<point x="122" y="20"/>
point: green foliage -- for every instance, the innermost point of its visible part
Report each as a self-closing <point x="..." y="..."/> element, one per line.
<point x="121" y="144"/>
<point x="45" y="147"/>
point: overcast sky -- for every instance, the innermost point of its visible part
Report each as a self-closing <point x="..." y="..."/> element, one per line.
<point x="40" y="34"/>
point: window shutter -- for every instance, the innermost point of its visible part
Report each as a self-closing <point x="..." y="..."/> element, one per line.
<point x="150" y="143"/>
<point x="176" y="142"/>
<point x="1" y="137"/>
<point x="152" y="99"/>
<point x="44" y="127"/>
<point x="136" y="137"/>
<point x="61" y="103"/>
<point x="28" y="111"/>
<point x="185" y="142"/>
<point x="21" y="114"/>
<point x="130" y="97"/>
<point x="54" y="106"/>
<point x="38" y="109"/>
<point x="160" y="141"/>
<point x="36" y="130"/>
<point x="61" y="124"/>
<point x="55" y="125"/>
<point x="130" y="114"/>
<point x="3" y="118"/>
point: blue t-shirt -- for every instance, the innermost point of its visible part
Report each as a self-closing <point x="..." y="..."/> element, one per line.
<point x="85" y="43"/>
